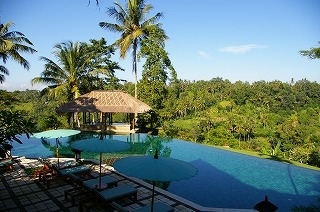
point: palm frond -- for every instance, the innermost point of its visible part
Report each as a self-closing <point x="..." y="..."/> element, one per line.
<point x="4" y="70"/>
<point x="111" y="27"/>
<point x="14" y="54"/>
<point x="12" y="44"/>
<point x="124" y="44"/>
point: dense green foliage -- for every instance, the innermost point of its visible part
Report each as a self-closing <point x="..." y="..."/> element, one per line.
<point x="13" y="123"/>
<point x="313" y="53"/>
<point x="134" y="26"/>
<point x="12" y="44"/>
<point x="82" y="67"/>
<point x="274" y="118"/>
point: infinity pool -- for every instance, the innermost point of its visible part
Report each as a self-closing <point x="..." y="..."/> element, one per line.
<point x="225" y="179"/>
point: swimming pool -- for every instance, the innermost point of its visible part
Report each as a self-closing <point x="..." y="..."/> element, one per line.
<point x="225" y="179"/>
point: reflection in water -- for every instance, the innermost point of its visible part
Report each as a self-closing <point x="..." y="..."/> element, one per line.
<point x="140" y="145"/>
<point x="45" y="143"/>
<point x="225" y="179"/>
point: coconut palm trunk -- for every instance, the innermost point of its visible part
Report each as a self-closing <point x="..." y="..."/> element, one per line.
<point x="134" y="69"/>
<point x="134" y="27"/>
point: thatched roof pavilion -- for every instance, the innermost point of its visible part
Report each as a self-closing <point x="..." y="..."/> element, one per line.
<point x="106" y="102"/>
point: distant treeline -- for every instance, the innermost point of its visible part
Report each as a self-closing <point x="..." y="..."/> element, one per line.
<point x="274" y="118"/>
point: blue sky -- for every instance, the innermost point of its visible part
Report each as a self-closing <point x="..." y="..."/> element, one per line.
<point x="246" y="40"/>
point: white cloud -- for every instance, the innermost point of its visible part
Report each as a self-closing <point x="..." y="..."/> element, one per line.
<point x="203" y="54"/>
<point x="20" y="87"/>
<point x="241" y="49"/>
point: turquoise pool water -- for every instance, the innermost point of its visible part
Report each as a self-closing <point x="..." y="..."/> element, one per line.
<point x="225" y="179"/>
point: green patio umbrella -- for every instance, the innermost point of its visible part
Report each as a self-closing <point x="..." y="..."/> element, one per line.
<point x="155" y="168"/>
<point x="99" y="145"/>
<point x="56" y="133"/>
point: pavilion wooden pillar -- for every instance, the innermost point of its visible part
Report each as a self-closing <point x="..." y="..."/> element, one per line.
<point x="73" y="121"/>
<point x="103" y="125"/>
<point x="110" y="119"/>
<point x="132" y="121"/>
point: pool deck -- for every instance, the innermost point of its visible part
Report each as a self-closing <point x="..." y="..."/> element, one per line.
<point x="21" y="192"/>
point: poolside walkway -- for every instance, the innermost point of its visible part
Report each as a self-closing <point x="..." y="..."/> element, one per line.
<point x="21" y="192"/>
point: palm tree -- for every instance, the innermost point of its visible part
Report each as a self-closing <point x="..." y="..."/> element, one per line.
<point x="11" y="45"/>
<point x="134" y="27"/>
<point x="63" y="78"/>
<point x="82" y="67"/>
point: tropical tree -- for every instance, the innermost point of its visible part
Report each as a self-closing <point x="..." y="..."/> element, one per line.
<point x="152" y="87"/>
<point x="13" y="123"/>
<point x="63" y="78"/>
<point x="100" y="71"/>
<point x="78" y="69"/>
<point x="12" y="44"/>
<point x="7" y="99"/>
<point x="313" y="53"/>
<point x="134" y="26"/>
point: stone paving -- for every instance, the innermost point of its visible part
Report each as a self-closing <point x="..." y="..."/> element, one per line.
<point x="22" y="192"/>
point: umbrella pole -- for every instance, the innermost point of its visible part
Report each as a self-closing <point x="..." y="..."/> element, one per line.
<point x="57" y="152"/>
<point x="100" y="171"/>
<point x="152" y="201"/>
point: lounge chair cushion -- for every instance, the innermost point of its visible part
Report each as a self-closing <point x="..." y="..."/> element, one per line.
<point x="121" y="191"/>
<point x="106" y="181"/>
<point x="65" y="164"/>
<point x="75" y="170"/>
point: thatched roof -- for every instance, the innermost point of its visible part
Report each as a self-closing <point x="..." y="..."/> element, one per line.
<point x="105" y="101"/>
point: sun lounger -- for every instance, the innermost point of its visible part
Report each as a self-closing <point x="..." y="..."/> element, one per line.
<point x="81" y="187"/>
<point x="76" y="170"/>
<point x="65" y="173"/>
<point x="109" y="195"/>
<point x="119" y="192"/>
<point x="106" y="181"/>
<point x="65" y="164"/>
<point x="157" y="207"/>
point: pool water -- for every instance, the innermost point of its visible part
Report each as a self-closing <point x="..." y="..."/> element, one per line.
<point x="228" y="179"/>
<point x="225" y="179"/>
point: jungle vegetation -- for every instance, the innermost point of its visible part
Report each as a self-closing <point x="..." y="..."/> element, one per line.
<point x="274" y="118"/>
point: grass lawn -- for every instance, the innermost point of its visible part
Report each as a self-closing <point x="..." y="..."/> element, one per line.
<point x="24" y="106"/>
